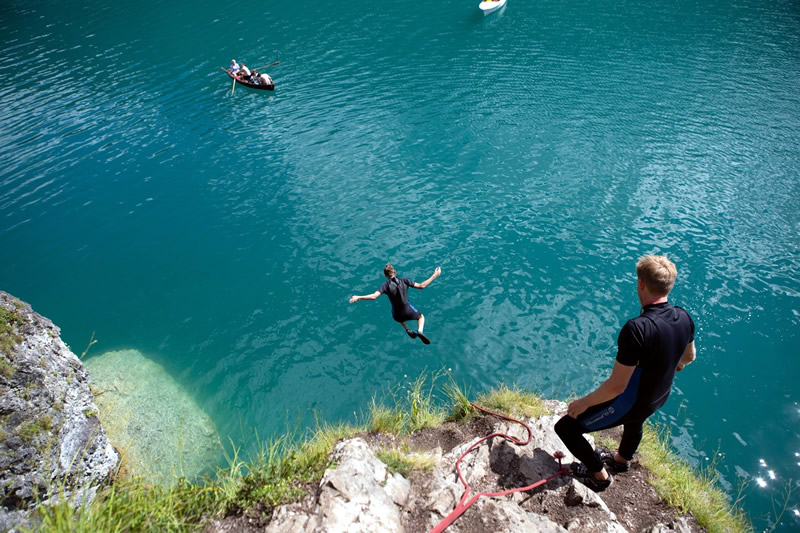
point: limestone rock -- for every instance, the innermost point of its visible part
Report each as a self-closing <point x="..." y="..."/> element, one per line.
<point x="50" y="435"/>
<point x="352" y="498"/>
<point x="161" y="431"/>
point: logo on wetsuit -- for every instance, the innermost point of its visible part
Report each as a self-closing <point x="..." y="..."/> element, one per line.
<point x="601" y="415"/>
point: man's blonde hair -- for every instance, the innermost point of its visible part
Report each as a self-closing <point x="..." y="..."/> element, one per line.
<point x="389" y="271"/>
<point x="658" y="273"/>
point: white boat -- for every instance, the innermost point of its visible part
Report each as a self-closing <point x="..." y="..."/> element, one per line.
<point x="490" y="6"/>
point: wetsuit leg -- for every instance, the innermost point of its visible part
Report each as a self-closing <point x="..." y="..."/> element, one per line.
<point x="570" y="431"/>
<point x="606" y="415"/>
<point x="631" y="437"/>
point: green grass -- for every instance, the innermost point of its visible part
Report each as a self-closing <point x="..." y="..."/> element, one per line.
<point x="513" y="401"/>
<point x="684" y="487"/>
<point x="403" y="460"/>
<point x="133" y="505"/>
<point x="687" y="488"/>
<point x="30" y="429"/>
<point x="9" y="335"/>
<point x="410" y="407"/>
<point x="7" y="370"/>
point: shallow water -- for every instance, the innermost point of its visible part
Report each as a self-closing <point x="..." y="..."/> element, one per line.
<point x="533" y="154"/>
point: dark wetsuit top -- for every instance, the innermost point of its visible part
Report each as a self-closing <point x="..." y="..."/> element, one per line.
<point x="397" y="291"/>
<point x="654" y="342"/>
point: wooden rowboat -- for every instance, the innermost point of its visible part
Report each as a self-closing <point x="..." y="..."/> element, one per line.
<point x="270" y="87"/>
<point x="490" y="6"/>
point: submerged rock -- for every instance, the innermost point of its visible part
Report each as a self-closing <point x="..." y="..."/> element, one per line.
<point x="161" y="431"/>
<point x="51" y="441"/>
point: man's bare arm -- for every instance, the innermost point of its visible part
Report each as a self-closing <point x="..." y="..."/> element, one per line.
<point x="689" y="355"/>
<point x="374" y="295"/>
<point x="428" y="281"/>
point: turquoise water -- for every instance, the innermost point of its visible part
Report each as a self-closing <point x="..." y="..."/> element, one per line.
<point x="533" y="154"/>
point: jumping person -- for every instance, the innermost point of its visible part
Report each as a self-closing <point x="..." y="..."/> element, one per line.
<point x="397" y="291"/>
<point x="650" y="349"/>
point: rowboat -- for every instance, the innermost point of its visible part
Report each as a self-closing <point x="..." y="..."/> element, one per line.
<point x="246" y="83"/>
<point x="490" y="6"/>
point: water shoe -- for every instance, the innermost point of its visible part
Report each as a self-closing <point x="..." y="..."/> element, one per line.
<point x="423" y="338"/>
<point x="582" y="474"/>
<point x="607" y="456"/>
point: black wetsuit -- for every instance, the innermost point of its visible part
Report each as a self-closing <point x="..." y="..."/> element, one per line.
<point x="397" y="291"/>
<point x="654" y="342"/>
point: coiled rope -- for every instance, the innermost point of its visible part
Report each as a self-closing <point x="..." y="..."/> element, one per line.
<point x="466" y="501"/>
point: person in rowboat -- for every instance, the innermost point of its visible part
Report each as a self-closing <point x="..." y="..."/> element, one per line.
<point x="234" y="67"/>
<point x="397" y="291"/>
<point x="264" y="79"/>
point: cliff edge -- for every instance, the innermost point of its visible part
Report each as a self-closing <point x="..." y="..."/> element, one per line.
<point x="51" y="440"/>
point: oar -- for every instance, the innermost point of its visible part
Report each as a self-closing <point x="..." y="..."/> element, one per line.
<point x="232" y="76"/>
<point x="265" y="66"/>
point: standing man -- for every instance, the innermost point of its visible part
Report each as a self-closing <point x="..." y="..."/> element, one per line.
<point x="651" y="348"/>
<point x="397" y="291"/>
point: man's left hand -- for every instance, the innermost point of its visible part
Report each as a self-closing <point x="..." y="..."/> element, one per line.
<point x="576" y="407"/>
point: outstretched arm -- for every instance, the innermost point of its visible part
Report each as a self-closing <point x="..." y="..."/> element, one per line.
<point x="689" y="355"/>
<point x="354" y="299"/>
<point x="428" y="281"/>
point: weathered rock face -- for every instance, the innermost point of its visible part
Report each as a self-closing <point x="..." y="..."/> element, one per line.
<point x="157" y="425"/>
<point x="50" y="434"/>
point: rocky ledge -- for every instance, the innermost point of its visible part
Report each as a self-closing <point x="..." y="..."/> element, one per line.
<point x="359" y="493"/>
<point x="51" y="441"/>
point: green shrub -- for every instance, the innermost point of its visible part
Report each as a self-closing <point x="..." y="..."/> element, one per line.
<point x="9" y="334"/>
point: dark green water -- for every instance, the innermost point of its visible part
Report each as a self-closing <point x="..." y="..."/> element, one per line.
<point x="533" y="154"/>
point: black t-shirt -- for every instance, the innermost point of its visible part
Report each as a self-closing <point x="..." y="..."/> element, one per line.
<point x="655" y="342"/>
<point x="397" y="291"/>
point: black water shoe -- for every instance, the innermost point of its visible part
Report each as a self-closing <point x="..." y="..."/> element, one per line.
<point x="607" y="456"/>
<point x="412" y="334"/>
<point x="582" y="474"/>
<point x="423" y="338"/>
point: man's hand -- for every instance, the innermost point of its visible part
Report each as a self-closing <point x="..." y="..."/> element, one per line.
<point x="437" y="271"/>
<point x="576" y="408"/>
<point x="353" y="299"/>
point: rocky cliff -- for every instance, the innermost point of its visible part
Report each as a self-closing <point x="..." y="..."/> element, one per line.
<point x="51" y="440"/>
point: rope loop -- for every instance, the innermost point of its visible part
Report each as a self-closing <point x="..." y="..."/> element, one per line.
<point x="466" y="501"/>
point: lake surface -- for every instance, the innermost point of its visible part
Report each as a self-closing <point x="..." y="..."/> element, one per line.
<point x="534" y="154"/>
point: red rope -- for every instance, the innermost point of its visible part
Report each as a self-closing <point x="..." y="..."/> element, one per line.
<point x="466" y="501"/>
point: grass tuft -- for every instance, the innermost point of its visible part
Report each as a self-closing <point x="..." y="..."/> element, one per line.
<point x="9" y="334"/>
<point x="513" y="401"/>
<point x="383" y="419"/>
<point x="422" y="412"/>
<point x="403" y="460"/>
<point x="461" y="410"/>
